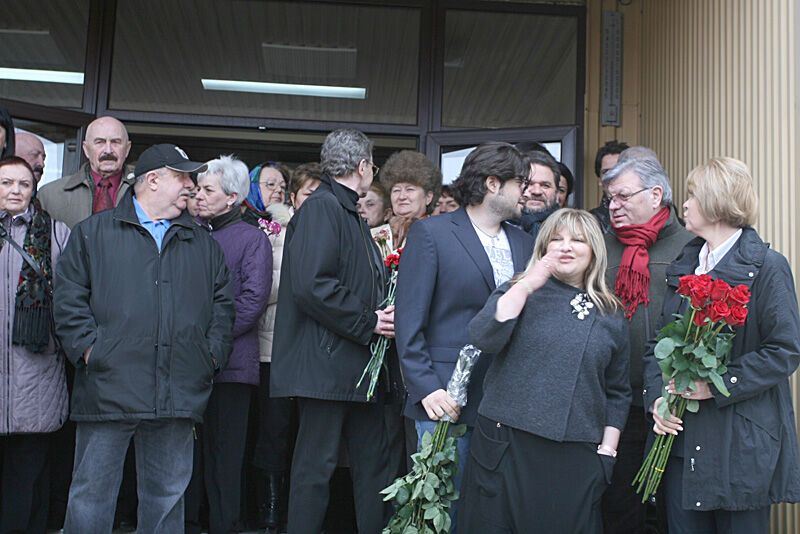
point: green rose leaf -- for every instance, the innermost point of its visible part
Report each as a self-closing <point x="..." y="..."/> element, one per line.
<point x="664" y="348"/>
<point x="693" y="405"/>
<point x="719" y="383"/>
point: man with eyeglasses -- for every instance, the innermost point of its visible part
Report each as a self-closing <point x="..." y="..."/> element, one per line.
<point x="605" y="159"/>
<point x="645" y="237"/>
<point x="451" y="263"/>
<point x="329" y="310"/>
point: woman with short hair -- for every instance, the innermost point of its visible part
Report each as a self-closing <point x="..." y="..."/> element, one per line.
<point x="739" y="454"/>
<point x="375" y="207"/>
<point x="557" y="392"/>
<point x="33" y="388"/>
<point x="413" y="183"/>
<point x="248" y="256"/>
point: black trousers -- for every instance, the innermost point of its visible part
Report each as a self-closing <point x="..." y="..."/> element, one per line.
<point x="623" y="511"/>
<point x="221" y="461"/>
<point x="323" y="425"/>
<point x="24" y="492"/>
<point x="706" y="522"/>
<point x="516" y="482"/>
<point x="274" y="427"/>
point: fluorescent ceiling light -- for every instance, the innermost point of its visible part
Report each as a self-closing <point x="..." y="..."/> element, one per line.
<point x="328" y="91"/>
<point x="47" y="76"/>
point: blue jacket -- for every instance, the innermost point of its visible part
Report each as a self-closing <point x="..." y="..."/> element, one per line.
<point x="444" y="280"/>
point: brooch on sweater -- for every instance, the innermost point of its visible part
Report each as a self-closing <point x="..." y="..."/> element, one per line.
<point x="581" y="305"/>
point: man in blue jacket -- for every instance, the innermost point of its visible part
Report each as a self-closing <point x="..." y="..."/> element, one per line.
<point x="144" y="311"/>
<point x="450" y="265"/>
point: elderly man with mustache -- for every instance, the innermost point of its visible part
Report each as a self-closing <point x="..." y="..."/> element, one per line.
<point x="100" y="183"/>
<point x="30" y="148"/>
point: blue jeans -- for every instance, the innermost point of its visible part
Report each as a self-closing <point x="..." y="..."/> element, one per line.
<point x="462" y="448"/>
<point x="164" y="457"/>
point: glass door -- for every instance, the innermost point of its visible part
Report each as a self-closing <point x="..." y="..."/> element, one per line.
<point x="450" y="149"/>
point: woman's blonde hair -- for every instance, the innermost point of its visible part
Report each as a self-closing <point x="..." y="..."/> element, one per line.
<point x="580" y="224"/>
<point x="724" y="190"/>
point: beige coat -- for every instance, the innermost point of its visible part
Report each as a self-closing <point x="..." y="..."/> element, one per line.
<point x="266" y="325"/>
<point x="69" y="199"/>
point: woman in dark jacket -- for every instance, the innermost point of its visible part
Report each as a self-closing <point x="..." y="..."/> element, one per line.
<point x="557" y="393"/>
<point x="737" y="455"/>
<point x="248" y="255"/>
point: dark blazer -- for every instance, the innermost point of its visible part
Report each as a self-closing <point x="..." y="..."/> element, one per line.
<point x="332" y="281"/>
<point x="444" y="280"/>
<point x="741" y="452"/>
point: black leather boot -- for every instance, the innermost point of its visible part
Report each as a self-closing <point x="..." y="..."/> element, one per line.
<point x="271" y="508"/>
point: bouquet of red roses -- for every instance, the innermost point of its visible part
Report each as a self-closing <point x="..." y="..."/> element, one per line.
<point x="378" y="348"/>
<point x="694" y="347"/>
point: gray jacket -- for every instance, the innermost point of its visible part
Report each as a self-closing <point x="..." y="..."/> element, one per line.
<point x="33" y="392"/>
<point x="644" y="323"/>
<point x="554" y="375"/>
<point x="69" y="199"/>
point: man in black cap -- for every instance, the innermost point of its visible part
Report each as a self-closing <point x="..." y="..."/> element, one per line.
<point x="143" y="308"/>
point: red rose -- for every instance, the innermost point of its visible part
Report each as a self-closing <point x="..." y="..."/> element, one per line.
<point x="737" y="315"/>
<point x="685" y="284"/>
<point x="719" y="290"/>
<point x="739" y="295"/>
<point x="392" y="261"/>
<point x="699" y="317"/>
<point x="718" y="310"/>
<point x="699" y="294"/>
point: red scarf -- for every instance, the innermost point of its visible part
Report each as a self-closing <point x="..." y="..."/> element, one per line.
<point x="633" y="277"/>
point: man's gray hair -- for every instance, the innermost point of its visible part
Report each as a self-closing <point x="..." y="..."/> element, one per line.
<point x="233" y="176"/>
<point x="649" y="170"/>
<point x="343" y="150"/>
<point x="637" y="152"/>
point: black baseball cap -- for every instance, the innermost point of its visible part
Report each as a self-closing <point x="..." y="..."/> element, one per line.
<point x="170" y="156"/>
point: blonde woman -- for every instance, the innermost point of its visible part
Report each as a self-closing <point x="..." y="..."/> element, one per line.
<point x="557" y="393"/>
<point x="737" y="455"/>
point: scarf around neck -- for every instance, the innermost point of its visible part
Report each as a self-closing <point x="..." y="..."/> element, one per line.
<point x="633" y="277"/>
<point x="33" y="303"/>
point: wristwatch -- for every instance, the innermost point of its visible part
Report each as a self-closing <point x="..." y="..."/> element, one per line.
<point x="608" y="451"/>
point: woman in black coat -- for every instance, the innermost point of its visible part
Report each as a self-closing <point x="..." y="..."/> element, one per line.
<point x="738" y="454"/>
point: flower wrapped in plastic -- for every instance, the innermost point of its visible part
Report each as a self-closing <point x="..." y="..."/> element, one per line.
<point x="424" y="496"/>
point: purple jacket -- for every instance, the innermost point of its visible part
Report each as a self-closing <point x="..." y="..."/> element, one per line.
<point x="248" y="255"/>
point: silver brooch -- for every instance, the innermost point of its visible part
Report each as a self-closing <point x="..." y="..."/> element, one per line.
<point x="581" y="305"/>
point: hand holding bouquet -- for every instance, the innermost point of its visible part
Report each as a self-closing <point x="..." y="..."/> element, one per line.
<point x="692" y="349"/>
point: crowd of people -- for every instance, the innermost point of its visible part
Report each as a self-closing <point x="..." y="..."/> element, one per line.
<point x="196" y="331"/>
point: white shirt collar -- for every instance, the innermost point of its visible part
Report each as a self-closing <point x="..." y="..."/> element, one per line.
<point x="708" y="259"/>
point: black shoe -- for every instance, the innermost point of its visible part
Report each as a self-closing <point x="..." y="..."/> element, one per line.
<point x="270" y="510"/>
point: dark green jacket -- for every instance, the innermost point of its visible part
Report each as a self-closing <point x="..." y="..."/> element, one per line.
<point x="643" y="325"/>
<point x="154" y="320"/>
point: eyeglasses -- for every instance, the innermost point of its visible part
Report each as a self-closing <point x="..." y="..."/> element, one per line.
<point x="622" y="198"/>
<point x="273" y="186"/>
<point x="375" y="168"/>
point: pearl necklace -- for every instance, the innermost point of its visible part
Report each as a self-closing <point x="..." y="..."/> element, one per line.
<point x="581" y="305"/>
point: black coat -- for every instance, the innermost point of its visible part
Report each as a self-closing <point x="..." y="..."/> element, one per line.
<point x="155" y="320"/>
<point x="740" y="452"/>
<point x="332" y="281"/>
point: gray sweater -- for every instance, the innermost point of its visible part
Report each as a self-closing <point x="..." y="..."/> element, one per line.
<point x="554" y="375"/>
